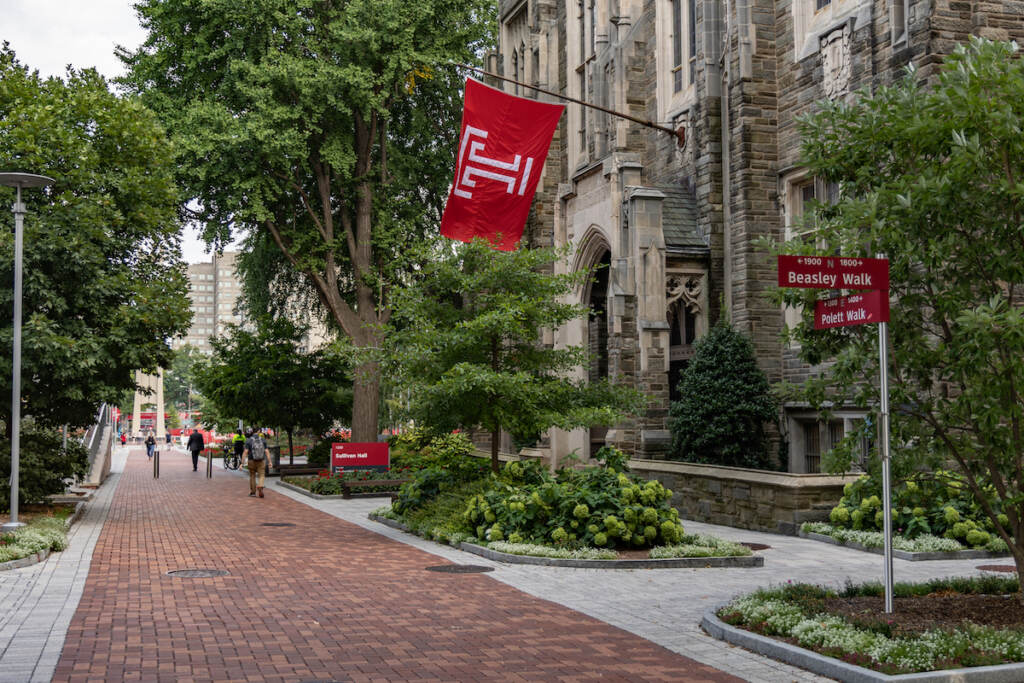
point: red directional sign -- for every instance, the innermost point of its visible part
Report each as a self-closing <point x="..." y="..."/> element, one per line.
<point x="833" y="272"/>
<point x="856" y="309"/>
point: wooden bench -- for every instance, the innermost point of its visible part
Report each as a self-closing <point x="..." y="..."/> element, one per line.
<point x="348" y="486"/>
<point x="298" y="470"/>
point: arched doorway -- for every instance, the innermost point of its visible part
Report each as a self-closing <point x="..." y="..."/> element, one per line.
<point x="597" y="336"/>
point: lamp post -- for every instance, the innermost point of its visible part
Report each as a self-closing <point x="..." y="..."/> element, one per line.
<point x="17" y="181"/>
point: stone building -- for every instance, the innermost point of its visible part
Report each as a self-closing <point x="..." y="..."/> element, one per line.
<point x="628" y="197"/>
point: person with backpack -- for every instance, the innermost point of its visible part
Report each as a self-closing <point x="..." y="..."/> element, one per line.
<point x="195" y="444"/>
<point x="150" y="445"/>
<point x="256" y="450"/>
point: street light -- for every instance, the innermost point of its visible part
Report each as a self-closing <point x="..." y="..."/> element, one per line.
<point x="18" y="181"/>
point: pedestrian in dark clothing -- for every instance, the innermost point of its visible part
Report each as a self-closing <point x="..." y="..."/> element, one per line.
<point x="168" y="438"/>
<point x="150" y="445"/>
<point x="195" y="444"/>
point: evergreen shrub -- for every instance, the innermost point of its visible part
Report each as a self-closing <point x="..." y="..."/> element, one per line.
<point x="44" y="464"/>
<point x="725" y="403"/>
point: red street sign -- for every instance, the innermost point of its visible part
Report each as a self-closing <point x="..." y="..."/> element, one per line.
<point x="364" y="456"/>
<point x="833" y="272"/>
<point x="856" y="309"/>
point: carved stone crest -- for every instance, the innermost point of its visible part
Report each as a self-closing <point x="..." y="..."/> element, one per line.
<point x="685" y="289"/>
<point x="836" y="61"/>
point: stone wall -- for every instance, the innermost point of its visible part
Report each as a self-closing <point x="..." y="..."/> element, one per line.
<point x="776" y="502"/>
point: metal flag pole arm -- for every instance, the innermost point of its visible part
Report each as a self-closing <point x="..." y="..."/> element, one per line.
<point x="679" y="133"/>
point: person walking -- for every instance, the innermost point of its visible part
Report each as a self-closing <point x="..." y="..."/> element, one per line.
<point x="238" y="444"/>
<point x="124" y="439"/>
<point x="256" y="462"/>
<point x="150" y="445"/>
<point x="195" y="444"/>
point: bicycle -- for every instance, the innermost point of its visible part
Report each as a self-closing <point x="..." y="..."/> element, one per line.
<point x="231" y="460"/>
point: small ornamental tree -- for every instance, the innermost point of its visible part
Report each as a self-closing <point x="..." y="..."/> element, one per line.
<point x="261" y="377"/>
<point x="467" y="347"/>
<point x="724" y="406"/>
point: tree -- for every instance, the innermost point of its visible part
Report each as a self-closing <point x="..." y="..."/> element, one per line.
<point x="466" y="345"/>
<point x="931" y="176"/>
<point x="104" y="285"/>
<point x="178" y="378"/>
<point x="262" y="378"/>
<point x="724" y="405"/>
<point x="323" y="128"/>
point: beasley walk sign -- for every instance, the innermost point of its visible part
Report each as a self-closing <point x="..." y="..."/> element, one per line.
<point x="833" y="272"/>
<point x="871" y="306"/>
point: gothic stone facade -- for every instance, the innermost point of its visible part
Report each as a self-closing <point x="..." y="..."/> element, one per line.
<point x="674" y="225"/>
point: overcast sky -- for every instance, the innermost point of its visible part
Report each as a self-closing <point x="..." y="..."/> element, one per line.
<point x="50" y="34"/>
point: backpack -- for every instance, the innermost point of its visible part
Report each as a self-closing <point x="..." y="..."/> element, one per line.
<point x="258" y="449"/>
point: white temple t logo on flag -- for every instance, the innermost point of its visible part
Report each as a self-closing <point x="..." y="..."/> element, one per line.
<point x="470" y="171"/>
<point x="502" y="149"/>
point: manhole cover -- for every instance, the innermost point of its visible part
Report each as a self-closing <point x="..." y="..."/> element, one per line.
<point x="756" y="546"/>
<point x="1009" y="568"/>
<point x="198" y="573"/>
<point x="460" y="569"/>
<point x="277" y="524"/>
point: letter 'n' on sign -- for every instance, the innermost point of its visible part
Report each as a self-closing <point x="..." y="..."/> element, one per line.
<point x="502" y="149"/>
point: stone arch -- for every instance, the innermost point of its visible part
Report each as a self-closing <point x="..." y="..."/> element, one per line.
<point x="595" y="252"/>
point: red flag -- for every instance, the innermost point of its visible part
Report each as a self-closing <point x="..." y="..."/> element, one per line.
<point x="502" y="149"/>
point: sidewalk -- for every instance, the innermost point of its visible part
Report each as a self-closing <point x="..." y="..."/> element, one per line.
<point x="323" y="600"/>
<point x="338" y="597"/>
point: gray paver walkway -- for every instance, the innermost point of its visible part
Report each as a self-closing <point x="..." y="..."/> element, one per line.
<point x="38" y="602"/>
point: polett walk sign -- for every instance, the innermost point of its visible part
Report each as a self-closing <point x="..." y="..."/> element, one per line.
<point x="856" y="309"/>
<point x="833" y="272"/>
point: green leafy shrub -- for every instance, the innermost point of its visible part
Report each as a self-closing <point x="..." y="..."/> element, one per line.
<point x="935" y="503"/>
<point x="43" y="464"/>
<point x="445" y="461"/>
<point x="319" y="455"/>
<point x="44" y="533"/>
<point x="590" y="507"/>
<point x="724" y="406"/>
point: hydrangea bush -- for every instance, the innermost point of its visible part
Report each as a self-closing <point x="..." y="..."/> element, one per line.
<point x="935" y="503"/>
<point x="600" y="506"/>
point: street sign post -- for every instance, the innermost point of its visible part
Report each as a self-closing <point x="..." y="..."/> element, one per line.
<point x="833" y="272"/>
<point x="865" y="307"/>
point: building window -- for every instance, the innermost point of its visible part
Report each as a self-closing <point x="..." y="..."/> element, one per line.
<point x="676" y="25"/>
<point x="801" y="192"/>
<point x="812" y="447"/>
<point x="813" y="18"/>
<point x="898" y="18"/>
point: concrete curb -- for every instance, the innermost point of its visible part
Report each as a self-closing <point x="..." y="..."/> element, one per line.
<point x="673" y="563"/>
<point x="36" y="558"/>
<point x="905" y="554"/>
<point x="334" y="496"/>
<point x="840" y="670"/>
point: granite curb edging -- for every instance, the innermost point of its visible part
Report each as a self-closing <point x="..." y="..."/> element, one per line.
<point x="36" y="558"/>
<point x="669" y="563"/>
<point x="334" y="496"/>
<point x="906" y="554"/>
<point x="843" y="671"/>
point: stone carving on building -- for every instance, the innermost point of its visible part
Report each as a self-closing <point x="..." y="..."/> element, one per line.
<point x="836" y="61"/>
<point x="686" y="290"/>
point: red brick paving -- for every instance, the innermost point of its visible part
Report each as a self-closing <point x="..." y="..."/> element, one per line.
<point x="324" y="600"/>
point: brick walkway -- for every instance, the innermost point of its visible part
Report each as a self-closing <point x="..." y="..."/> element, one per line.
<point x="324" y="600"/>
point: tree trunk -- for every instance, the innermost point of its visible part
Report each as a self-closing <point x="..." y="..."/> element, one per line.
<point x="365" y="402"/>
<point x="495" y="439"/>
<point x="291" y="451"/>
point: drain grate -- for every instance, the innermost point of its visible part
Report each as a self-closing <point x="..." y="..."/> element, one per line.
<point x="197" y="573"/>
<point x="756" y="546"/>
<point x="460" y="569"/>
<point x="1008" y="568"/>
<point x="277" y="524"/>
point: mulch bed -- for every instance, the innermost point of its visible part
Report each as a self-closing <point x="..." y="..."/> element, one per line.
<point x="30" y="511"/>
<point x="940" y="610"/>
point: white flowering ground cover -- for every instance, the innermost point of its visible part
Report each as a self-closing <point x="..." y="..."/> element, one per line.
<point x="925" y="543"/>
<point x="43" y="533"/>
<point x="794" y="612"/>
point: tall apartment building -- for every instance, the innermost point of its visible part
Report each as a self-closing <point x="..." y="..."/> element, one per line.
<point x="214" y="289"/>
<point x="677" y="227"/>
